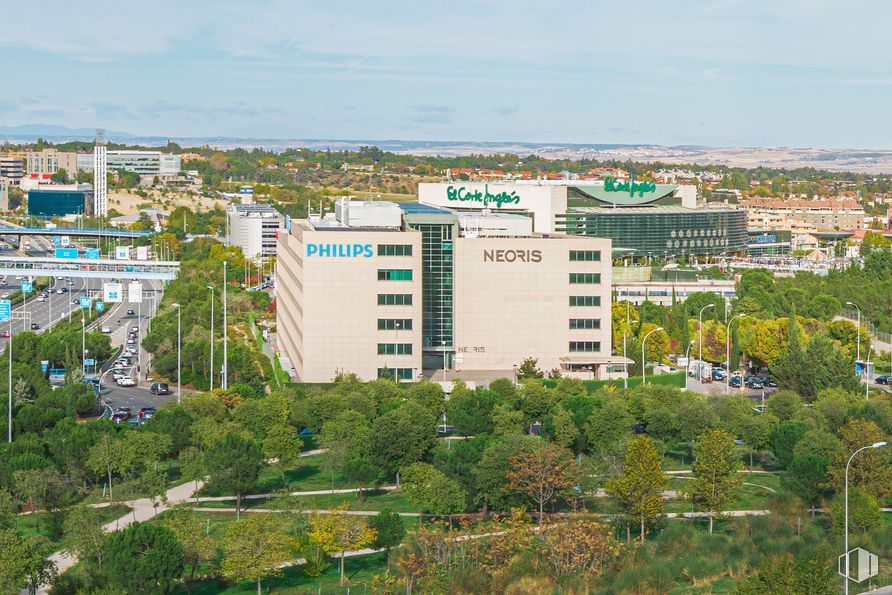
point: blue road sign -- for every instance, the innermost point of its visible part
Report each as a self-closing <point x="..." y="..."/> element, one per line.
<point x="92" y="254"/>
<point x="66" y="252"/>
<point x="26" y="287"/>
<point x="89" y="362"/>
<point x="44" y="365"/>
<point x="5" y="310"/>
<point x="85" y="301"/>
<point x="57" y="240"/>
<point x="100" y="306"/>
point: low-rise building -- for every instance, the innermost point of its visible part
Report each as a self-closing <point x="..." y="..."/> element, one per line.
<point x="57" y="200"/>
<point x="822" y="214"/>
<point x="44" y="163"/>
<point x="253" y="228"/>
<point x="144" y="163"/>
<point x="12" y="169"/>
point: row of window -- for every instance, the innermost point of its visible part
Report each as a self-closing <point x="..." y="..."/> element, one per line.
<point x="586" y="346"/>
<point x="395" y="373"/>
<point x="394" y="250"/>
<point x="585" y="300"/>
<point x="585" y="278"/>
<point x="394" y="349"/>
<point x="394" y="299"/>
<point x="395" y="274"/>
<point x="585" y="255"/>
<point x="394" y="324"/>
<point x="585" y="323"/>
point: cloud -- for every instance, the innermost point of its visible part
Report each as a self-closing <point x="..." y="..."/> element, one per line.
<point x="8" y="106"/>
<point x="430" y="113"/>
<point x="504" y="110"/>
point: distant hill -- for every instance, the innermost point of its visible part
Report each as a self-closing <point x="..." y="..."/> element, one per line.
<point x="33" y="131"/>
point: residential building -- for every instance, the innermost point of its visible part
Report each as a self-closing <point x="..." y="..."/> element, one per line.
<point x="43" y="164"/>
<point x="825" y="214"/>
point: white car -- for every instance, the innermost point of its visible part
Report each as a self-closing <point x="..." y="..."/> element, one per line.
<point x="126" y="381"/>
<point x="134" y="329"/>
<point x="106" y="329"/>
<point x="131" y="350"/>
<point x="41" y="299"/>
<point x="131" y="341"/>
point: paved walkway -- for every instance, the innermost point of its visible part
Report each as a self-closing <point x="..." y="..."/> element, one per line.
<point x="310" y="493"/>
<point x="141" y="510"/>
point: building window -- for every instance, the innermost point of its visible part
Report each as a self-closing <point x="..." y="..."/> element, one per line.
<point x="588" y="278"/>
<point x="585" y="323"/>
<point x="395" y="373"/>
<point x="585" y="255"/>
<point x="587" y="346"/>
<point x="394" y="299"/>
<point x="394" y="274"/>
<point x="394" y="324"/>
<point x="394" y="349"/>
<point x="394" y="250"/>
<point x="585" y="300"/>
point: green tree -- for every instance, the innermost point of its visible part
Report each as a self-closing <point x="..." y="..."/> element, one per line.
<point x="565" y="430"/>
<point x="144" y="558"/>
<point x="361" y="470"/>
<point x="807" y="477"/>
<point x="607" y="428"/>
<point x="810" y="574"/>
<point x="529" y="368"/>
<point x="389" y="530"/>
<point x="191" y="462"/>
<point x="714" y="472"/>
<point x="783" y="438"/>
<point x="426" y="486"/>
<point x="234" y="464"/>
<point x="84" y="537"/>
<point x="189" y="529"/>
<point x="870" y="470"/>
<point x="639" y="489"/>
<point x="491" y="472"/>
<point x="256" y="548"/>
<point x="402" y="436"/>
<point x="282" y="445"/>
<point x="347" y="434"/>
<point x="23" y="562"/>
<point x="865" y="513"/>
<point x="338" y="532"/>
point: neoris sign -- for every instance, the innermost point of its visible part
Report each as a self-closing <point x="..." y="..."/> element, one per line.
<point x="340" y="250"/>
<point x="631" y="186"/>
<point x="462" y="194"/>
<point x="512" y="256"/>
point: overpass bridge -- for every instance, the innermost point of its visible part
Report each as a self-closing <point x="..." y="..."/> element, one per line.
<point x="162" y="270"/>
<point x="109" y="232"/>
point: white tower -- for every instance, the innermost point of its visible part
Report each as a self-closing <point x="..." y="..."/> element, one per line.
<point x="100" y="176"/>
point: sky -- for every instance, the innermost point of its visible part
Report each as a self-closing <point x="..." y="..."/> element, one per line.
<point x="800" y="73"/>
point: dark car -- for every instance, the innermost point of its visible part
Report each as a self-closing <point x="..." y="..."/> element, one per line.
<point x="34" y="326"/>
<point x="883" y="380"/>
<point x="755" y="382"/>
<point x="130" y="312"/>
<point x="146" y="412"/>
<point x="718" y="374"/>
<point x="736" y="381"/>
<point x="159" y="388"/>
<point x="770" y="382"/>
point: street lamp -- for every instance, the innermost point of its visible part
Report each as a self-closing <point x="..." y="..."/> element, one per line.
<point x="874" y="445"/>
<point x="224" y="376"/>
<point x="728" y="352"/>
<point x="211" y="287"/>
<point x="687" y="355"/>
<point x="858" y="332"/>
<point x="700" y="342"/>
<point x="659" y="328"/>
<point x="179" y="311"/>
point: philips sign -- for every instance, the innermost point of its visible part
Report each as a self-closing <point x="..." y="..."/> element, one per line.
<point x="340" y="250"/>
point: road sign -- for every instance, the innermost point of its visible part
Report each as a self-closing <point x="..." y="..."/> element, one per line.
<point x="86" y="301"/>
<point x="100" y="306"/>
<point x="113" y="292"/>
<point x="89" y="362"/>
<point x="66" y="252"/>
<point x="57" y="241"/>
<point x="134" y="292"/>
<point x="26" y="287"/>
<point x="122" y="252"/>
<point x="66" y="240"/>
<point x="5" y="310"/>
<point x="142" y="253"/>
<point x="862" y="565"/>
<point x="92" y="254"/>
<point x="44" y="366"/>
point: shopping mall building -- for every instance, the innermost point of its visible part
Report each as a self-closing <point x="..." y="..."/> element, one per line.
<point x="641" y="218"/>
<point x="379" y="288"/>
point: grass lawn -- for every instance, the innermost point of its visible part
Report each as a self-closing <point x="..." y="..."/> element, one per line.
<point x="130" y="489"/>
<point x="28" y="524"/>
<point x="372" y="501"/>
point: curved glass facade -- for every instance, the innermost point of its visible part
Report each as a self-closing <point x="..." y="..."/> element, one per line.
<point x="673" y="231"/>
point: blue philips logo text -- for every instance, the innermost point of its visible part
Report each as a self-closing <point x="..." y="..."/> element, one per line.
<point x="339" y="250"/>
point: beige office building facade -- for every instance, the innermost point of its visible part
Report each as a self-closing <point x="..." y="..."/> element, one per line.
<point x="403" y="290"/>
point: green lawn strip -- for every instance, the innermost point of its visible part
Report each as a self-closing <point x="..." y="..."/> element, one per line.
<point x="131" y="489"/>
<point x="372" y="501"/>
<point x="27" y="524"/>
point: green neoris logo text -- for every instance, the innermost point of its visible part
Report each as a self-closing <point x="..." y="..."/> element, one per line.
<point x="630" y="186"/>
<point x="486" y="197"/>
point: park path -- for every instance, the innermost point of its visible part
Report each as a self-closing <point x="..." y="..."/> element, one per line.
<point x="142" y="509"/>
<point x="199" y="499"/>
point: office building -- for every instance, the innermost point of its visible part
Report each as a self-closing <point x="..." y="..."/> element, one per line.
<point x="43" y="164"/>
<point x="144" y="163"/>
<point x="58" y="200"/>
<point x="379" y="288"/>
<point x="253" y="228"/>
<point x="12" y="169"/>
<point x="827" y="214"/>
<point x="643" y="219"/>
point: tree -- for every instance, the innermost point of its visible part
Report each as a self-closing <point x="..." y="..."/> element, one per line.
<point x="281" y="444"/>
<point x="639" y="490"/>
<point x="583" y="547"/>
<point x="8" y="510"/>
<point x="144" y="558"/>
<point x="714" y="472"/>
<point x="84" y="537"/>
<point x="565" y="430"/>
<point x="782" y="440"/>
<point x="402" y="436"/>
<point x="189" y="529"/>
<point x="491" y="472"/>
<point x="191" y="464"/>
<point x="60" y="177"/>
<point x="347" y="434"/>
<point x="389" y="530"/>
<point x="529" y="368"/>
<point x="256" y="548"/>
<point x="426" y="486"/>
<point x="870" y="470"/>
<point x="101" y="458"/>
<point x="362" y="471"/>
<point x="541" y="471"/>
<point x="23" y="562"/>
<point x="607" y="427"/>
<point x="783" y="405"/>
<point x="810" y="574"/>
<point x="234" y="463"/>
<point x="865" y="513"/>
<point x="338" y="532"/>
<point x="821" y="365"/>
<point x="807" y="477"/>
